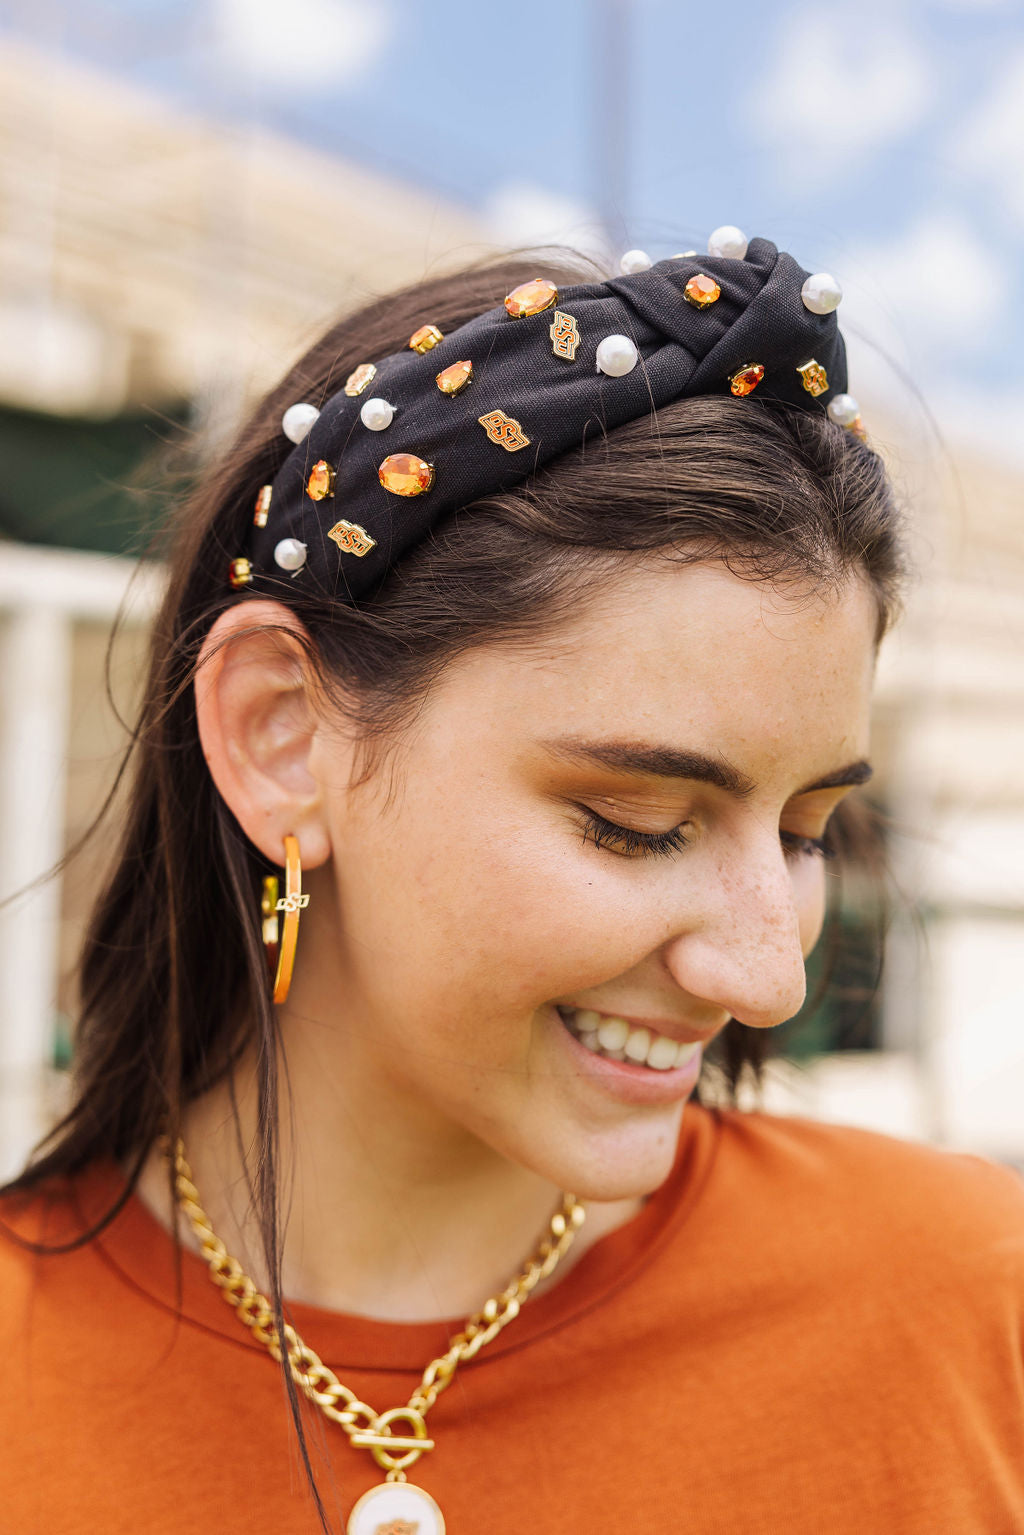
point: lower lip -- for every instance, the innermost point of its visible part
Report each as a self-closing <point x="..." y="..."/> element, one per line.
<point x="625" y="1080"/>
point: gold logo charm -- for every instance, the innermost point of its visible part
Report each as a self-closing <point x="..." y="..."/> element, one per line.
<point x="503" y="430"/>
<point x="397" y="1527"/>
<point x="815" y="379"/>
<point x="292" y="903"/>
<point x="262" y="509"/>
<point x="565" y="336"/>
<point x="351" y="538"/>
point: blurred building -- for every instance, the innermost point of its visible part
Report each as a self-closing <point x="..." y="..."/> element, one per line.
<point x="156" y="272"/>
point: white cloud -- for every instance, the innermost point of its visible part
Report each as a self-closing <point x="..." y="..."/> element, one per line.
<point x="835" y="92"/>
<point x="309" y="44"/>
<point x="519" y="213"/>
<point x="990" y="144"/>
<point x="915" y="308"/>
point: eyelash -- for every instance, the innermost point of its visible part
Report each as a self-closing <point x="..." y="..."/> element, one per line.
<point x="627" y="842"/>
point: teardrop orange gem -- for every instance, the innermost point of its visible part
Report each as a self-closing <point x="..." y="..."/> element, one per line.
<point x="746" y="380"/>
<point x="454" y="378"/>
<point x="321" y="481"/>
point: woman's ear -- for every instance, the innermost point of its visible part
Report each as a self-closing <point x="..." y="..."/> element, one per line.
<point x="255" y="695"/>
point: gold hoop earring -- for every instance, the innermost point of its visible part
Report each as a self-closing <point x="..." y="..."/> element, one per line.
<point x="279" y="939"/>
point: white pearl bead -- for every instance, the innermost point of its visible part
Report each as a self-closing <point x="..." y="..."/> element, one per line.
<point x="297" y="421"/>
<point x="635" y="261"/>
<point x="727" y="240"/>
<point x="616" y="355"/>
<point x="844" y="409"/>
<point x="821" y="293"/>
<point x="290" y="554"/>
<point x="377" y="414"/>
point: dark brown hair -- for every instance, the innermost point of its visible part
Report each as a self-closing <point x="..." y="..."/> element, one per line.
<point x="776" y="492"/>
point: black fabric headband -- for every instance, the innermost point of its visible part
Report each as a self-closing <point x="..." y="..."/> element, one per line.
<point x="427" y="430"/>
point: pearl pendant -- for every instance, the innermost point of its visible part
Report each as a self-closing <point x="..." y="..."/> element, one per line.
<point x="843" y="410"/>
<point x="616" y="355"/>
<point x="297" y="421"/>
<point x="290" y="554"/>
<point x="727" y="240"/>
<point x="635" y="261"/>
<point x="821" y="293"/>
<point x="377" y="414"/>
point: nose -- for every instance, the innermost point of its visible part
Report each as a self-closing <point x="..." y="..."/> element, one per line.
<point x="743" y="952"/>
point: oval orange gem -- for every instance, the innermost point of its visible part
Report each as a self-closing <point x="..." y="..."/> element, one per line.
<point x="746" y="380"/>
<point x="406" y="475"/>
<point x="425" y="339"/>
<point x="454" y="378"/>
<point x="702" y="291"/>
<point x="531" y="297"/>
<point x="321" y="481"/>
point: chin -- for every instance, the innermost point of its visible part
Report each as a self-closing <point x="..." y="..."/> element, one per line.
<point x="628" y="1162"/>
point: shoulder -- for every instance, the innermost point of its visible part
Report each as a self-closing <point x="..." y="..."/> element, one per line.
<point x="873" y="1193"/>
<point x="45" y="1239"/>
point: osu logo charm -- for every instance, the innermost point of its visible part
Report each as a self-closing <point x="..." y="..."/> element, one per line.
<point x="504" y="430"/>
<point x="292" y="903"/>
<point x="814" y="377"/>
<point x="565" y="336"/>
<point x="351" y="538"/>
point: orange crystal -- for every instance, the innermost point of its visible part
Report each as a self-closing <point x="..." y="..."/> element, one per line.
<point x="746" y="380"/>
<point x="531" y="297"/>
<point x="454" y="378"/>
<point x="702" y="291"/>
<point x="359" y="378"/>
<point x="425" y="339"/>
<point x="240" y="572"/>
<point x="321" y="481"/>
<point x="406" y="475"/>
<point x="262" y="510"/>
<point x="815" y="379"/>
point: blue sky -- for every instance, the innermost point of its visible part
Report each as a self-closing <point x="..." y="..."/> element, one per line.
<point x="882" y="142"/>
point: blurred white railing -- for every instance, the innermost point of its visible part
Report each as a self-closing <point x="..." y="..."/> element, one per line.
<point x="42" y="594"/>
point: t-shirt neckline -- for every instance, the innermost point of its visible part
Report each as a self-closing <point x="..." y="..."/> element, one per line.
<point x="144" y="1254"/>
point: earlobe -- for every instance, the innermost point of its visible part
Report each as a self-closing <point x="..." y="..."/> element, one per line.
<point x="254" y="694"/>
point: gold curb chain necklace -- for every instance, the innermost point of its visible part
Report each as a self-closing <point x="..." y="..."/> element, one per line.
<point x="397" y="1507"/>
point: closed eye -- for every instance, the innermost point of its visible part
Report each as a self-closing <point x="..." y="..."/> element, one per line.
<point x="628" y="842"/>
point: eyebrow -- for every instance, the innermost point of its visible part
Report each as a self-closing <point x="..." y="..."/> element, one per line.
<point x="668" y="762"/>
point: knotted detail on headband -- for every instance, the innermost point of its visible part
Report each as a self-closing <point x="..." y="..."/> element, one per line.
<point x="416" y="435"/>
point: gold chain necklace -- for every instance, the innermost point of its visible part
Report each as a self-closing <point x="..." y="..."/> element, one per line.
<point x="397" y="1507"/>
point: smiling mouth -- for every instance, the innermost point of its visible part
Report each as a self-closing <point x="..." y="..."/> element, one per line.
<point x="617" y="1040"/>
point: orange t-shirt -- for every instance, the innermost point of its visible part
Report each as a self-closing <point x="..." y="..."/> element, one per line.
<point x="808" y="1330"/>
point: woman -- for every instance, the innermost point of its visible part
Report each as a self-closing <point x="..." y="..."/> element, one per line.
<point x="544" y="669"/>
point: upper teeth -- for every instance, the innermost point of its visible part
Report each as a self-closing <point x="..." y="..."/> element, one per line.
<point x="614" y="1037"/>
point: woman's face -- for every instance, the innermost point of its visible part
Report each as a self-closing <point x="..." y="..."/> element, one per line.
<point x="479" y="907"/>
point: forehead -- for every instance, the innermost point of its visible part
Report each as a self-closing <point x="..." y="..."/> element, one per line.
<point x="689" y="653"/>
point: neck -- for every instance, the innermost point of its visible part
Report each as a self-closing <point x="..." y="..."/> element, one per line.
<point x="385" y="1211"/>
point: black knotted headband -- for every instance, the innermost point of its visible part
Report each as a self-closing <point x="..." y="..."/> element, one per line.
<point x="349" y="501"/>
